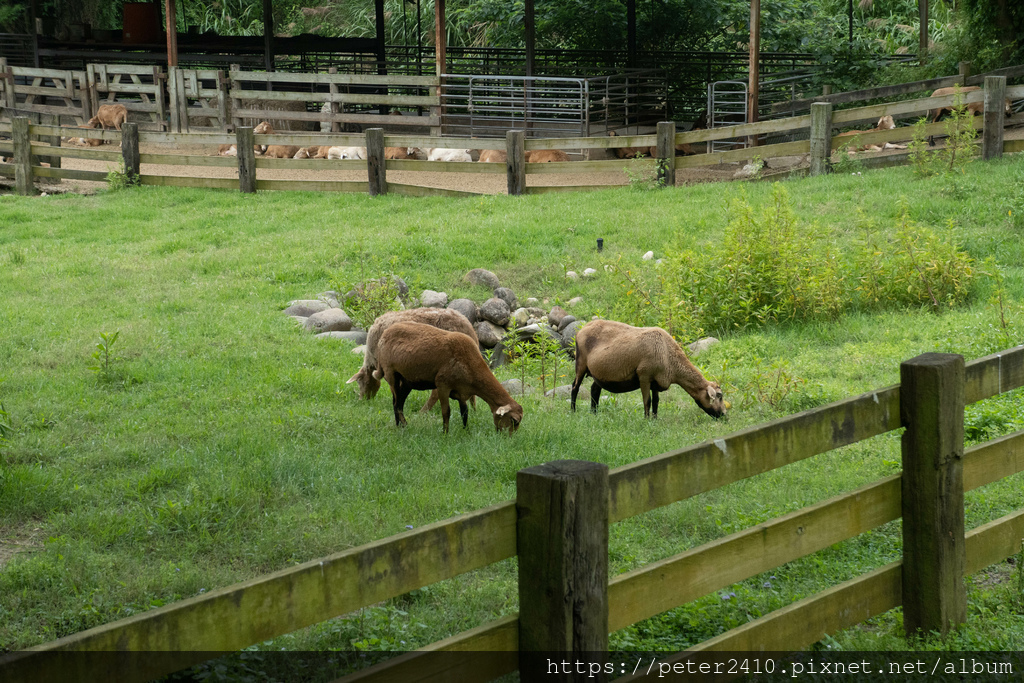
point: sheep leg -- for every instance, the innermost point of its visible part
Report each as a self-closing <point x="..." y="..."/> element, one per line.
<point x="464" y="411"/>
<point x="576" y="387"/>
<point x="401" y="391"/>
<point x="446" y="411"/>
<point x="645" y="392"/>
<point x="595" y="394"/>
<point x="654" y="401"/>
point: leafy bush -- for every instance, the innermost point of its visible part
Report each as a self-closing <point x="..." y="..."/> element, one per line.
<point x="366" y="301"/>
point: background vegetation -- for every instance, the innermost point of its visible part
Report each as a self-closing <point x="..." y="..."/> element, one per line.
<point x="169" y="431"/>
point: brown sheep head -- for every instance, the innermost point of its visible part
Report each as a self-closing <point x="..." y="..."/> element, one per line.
<point x="369" y="385"/>
<point x="711" y="400"/>
<point x="508" y="417"/>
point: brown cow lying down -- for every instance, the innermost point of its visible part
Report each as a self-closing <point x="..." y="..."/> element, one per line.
<point x="629" y="152"/>
<point x="543" y="156"/>
<point x="884" y="123"/>
<point x="493" y="156"/>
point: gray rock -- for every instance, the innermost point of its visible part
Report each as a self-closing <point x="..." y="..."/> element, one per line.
<point x="561" y="391"/>
<point x="536" y="312"/>
<point x="499" y="356"/>
<point x="569" y="334"/>
<point x="431" y="299"/>
<point x="403" y="289"/>
<point x="305" y="307"/>
<point x="700" y="346"/>
<point x="506" y="295"/>
<point x="489" y="334"/>
<point x="532" y="300"/>
<point x="300" y="320"/>
<point x="528" y="331"/>
<point x="564" y="322"/>
<point x="467" y="308"/>
<point x="331" y="320"/>
<point x="648" y="256"/>
<point x="589" y="272"/>
<point x="484" y="278"/>
<point x="574" y="301"/>
<point x="556" y="315"/>
<point x="571" y="275"/>
<point x="521" y="315"/>
<point x="360" y="350"/>
<point x="354" y="336"/>
<point x="515" y="387"/>
<point x="496" y="311"/>
<point x="330" y="298"/>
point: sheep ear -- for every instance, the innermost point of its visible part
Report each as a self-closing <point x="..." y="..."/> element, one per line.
<point x="711" y="393"/>
<point x="354" y="377"/>
<point x="503" y="410"/>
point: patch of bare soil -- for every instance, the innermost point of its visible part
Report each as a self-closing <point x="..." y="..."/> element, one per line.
<point x="15" y="540"/>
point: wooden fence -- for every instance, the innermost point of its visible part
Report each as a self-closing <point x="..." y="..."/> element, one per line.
<point x="820" y="122"/>
<point x="558" y="528"/>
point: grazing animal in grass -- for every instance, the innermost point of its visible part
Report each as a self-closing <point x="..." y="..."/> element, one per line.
<point x="493" y="156"/>
<point x="441" y="318"/>
<point x="417" y="356"/>
<point x="624" y="358"/>
<point x="346" y="153"/>
<point x="544" y="156"/>
<point x="442" y="154"/>
<point x="112" y="115"/>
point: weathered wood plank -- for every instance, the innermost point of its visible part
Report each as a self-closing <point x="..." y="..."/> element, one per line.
<point x="1013" y="146"/>
<point x="882" y="92"/>
<point x="312" y="185"/>
<point x="993" y="460"/>
<point x="994" y="542"/>
<point x="599" y="142"/>
<point x="313" y="164"/>
<point x="69" y="174"/>
<point x="130" y="151"/>
<point x="375" y="167"/>
<point x="342" y="117"/>
<point x="602" y="166"/>
<point x="663" y="479"/>
<point x="908" y="107"/>
<point x="188" y="160"/>
<point x="295" y="597"/>
<point x="660" y="586"/>
<point x="666" y="149"/>
<point x="76" y="132"/>
<point x="189" y="138"/>
<point x="75" y="152"/>
<point x="188" y="181"/>
<point x="445" y="166"/>
<point x="421" y="191"/>
<point x="343" y="98"/>
<point x="744" y="129"/>
<point x="994" y="374"/>
<point x="994" y="116"/>
<point x="22" y="156"/>
<point x="515" y="162"/>
<point x="732" y="155"/>
<point x="548" y="189"/>
<point x="1008" y="72"/>
<point x="338" y="79"/>
<point x="821" y="136"/>
<point x="246" y="158"/>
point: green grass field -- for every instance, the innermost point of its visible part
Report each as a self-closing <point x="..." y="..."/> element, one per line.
<point x="225" y="443"/>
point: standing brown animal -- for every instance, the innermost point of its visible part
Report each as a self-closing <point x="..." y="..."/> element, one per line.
<point x="624" y="358"/>
<point x="112" y="115"/>
<point x="417" y="356"/>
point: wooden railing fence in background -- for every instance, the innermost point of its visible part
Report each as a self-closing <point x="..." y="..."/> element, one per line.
<point x="558" y="527"/>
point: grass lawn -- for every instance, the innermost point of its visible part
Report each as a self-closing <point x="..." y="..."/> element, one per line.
<point x="227" y="445"/>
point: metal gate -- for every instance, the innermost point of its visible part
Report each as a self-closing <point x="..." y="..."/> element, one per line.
<point x="727" y="106"/>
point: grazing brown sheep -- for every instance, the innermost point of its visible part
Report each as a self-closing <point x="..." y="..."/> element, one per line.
<point x="624" y="358"/>
<point x="112" y="115"/>
<point x="417" y="356"/>
<point x="441" y="318"/>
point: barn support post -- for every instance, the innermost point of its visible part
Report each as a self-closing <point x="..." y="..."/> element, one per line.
<point x="562" y="541"/>
<point x="171" y="29"/>
<point x="244" y="147"/>
<point x="515" y="148"/>
<point x="821" y="137"/>
<point x="22" y="156"/>
<point x="130" y="151"/>
<point x="932" y="411"/>
<point x="667" y="153"/>
<point x="995" y="117"/>
<point x="375" y="166"/>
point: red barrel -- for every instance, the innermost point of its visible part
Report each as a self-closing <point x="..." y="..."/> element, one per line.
<point x="142" y="23"/>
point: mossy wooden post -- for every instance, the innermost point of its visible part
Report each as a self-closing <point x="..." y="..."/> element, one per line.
<point x="965" y="72"/>
<point x="22" y="156"/>
<point x="375" y="161"/>
<point x="995" y="117"/>
<point x="826" y="89"/>
<point x="562" y="541"/>
<point x="515" y="141"/>
<point x="821" y="137"/>
<point x="667" y="153"/>
<point x="130" y="151"/>
<point x="932" y="410"/>
<point x="244" y="143"/>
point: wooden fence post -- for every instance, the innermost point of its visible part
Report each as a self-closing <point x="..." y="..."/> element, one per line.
<point x="130" y="151"/>
<point x="22" y="156"/>
<point x="995" y="117"/>
<point x="667" y="153"/>
<point x="160" y="96"/>
<point x="515" y="141"/>
<point x="562" y="537"/>
<point x="821" y="137"/>
<point x="172" y="98"/>
<point x="244" y="142"/>
<point x="333" y="88"/>
<point x="222" y="102"/>
<point x="826" y="89"/>
<point x="375" y="161"/>
<point x="236" y="104"/>
<point x="965" y="72"/>
<point x="932" y="410"/>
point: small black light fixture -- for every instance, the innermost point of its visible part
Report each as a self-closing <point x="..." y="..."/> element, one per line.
<point x="600" y="244"/>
